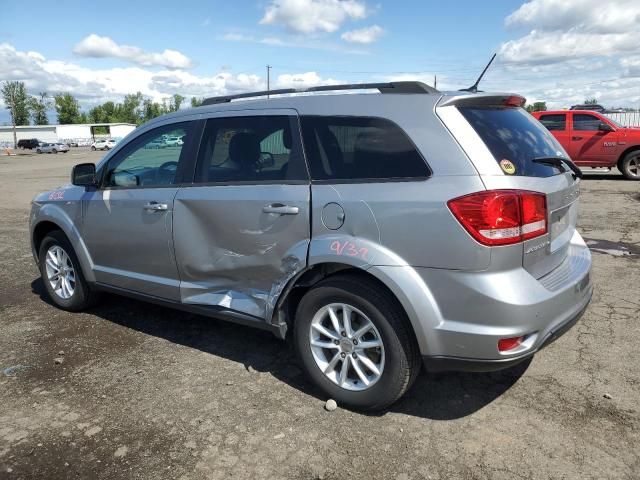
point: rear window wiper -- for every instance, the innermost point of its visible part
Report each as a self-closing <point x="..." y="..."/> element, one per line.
<point x="561" y="163"/>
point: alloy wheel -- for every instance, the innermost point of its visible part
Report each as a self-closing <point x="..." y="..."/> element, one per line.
<point x="347" y="346"/>
<point x="60" y="272"/>
<point x="633" y="167"/>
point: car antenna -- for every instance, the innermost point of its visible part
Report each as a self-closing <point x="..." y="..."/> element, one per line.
<point x="474" y="88"/>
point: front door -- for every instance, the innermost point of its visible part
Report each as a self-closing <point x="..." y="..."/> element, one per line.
<point x="589" y="145"/>
<point x="242" y="229"/>
<point x="127" y="222"/>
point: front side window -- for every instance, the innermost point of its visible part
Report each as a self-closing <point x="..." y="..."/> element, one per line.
<point x="359" y="148"/>
<point x="250" y="149"/>
<point x="554" y="122"/>
<point x="150" y="160"/>
<point x="585" y="122"/>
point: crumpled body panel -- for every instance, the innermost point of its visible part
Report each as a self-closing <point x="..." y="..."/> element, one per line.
<point x="232" y="254"/>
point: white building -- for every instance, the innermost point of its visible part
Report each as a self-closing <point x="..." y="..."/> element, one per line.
<point x="75" y="132"/>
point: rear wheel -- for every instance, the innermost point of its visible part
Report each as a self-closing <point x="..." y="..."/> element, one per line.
<point x="630" y="165"/>
<point x="61" y="273"/>
<point x="54" y="151"/>
<point x="38" y="150"/>
<point x="354" y="341"/>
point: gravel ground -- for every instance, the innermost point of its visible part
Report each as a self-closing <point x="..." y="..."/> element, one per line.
<point x="131" y="390"/>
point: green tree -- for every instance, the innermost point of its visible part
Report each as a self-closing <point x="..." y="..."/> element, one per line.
<point x="536" y="107"/>
<point x="151" y="109"/>
<point x="67" y="108"/>
<point x="196" y="102"/>
<point x="15" y="98"/>
<point x="38" y="109"/>
<point x="130" y="111"/>
<point x="591" y="101"/>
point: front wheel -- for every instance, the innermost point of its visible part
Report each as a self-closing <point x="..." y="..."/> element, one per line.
<point x="61" y="274"/>
<point x="630" y="165"/>
<point x="93" y="148"/>
<point x="355" y="342"/>
<point x="38" y="151"/>
<point x="55" y="151"/>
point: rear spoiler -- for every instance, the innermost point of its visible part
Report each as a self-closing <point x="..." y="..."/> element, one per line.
<point x="483" y="100"/>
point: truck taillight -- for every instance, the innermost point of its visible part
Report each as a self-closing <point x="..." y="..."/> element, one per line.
<point x="502" y="217"/>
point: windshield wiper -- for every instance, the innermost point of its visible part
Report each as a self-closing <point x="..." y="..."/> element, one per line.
<point x="561" y="163"/>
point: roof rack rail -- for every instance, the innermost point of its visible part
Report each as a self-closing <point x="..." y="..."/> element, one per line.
<point x="390" y="87"/>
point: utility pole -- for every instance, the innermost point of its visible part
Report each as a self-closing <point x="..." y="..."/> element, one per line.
<point x="435" y="81"/>
<point x="268" y="79"/>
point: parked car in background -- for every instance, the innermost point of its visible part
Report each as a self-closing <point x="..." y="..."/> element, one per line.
<point x="60" y="147"/>
<point x="104" y="144"/>
<point x="594" y="140"/>
<point x="172" y="141"/>
<point x="594" y="107"/>
<point x="156" y="144"/>
<point x="52" y="148"/>
<point x="28" y="143"/>
<point x="384" y="231"/>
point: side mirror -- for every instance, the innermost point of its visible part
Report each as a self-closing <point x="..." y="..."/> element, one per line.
<point x="605" y="127"/>
<point x="84" y="175"/>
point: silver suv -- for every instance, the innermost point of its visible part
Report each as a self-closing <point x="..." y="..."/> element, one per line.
<point x="381" y="230"/>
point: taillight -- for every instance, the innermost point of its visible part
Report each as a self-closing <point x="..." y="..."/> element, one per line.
<point x="502" y="217"/>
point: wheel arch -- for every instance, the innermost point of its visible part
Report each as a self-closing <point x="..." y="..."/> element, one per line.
<point x="49" y="219"/>
<point x="288" y="301"/>
<point x="624" y="154"/>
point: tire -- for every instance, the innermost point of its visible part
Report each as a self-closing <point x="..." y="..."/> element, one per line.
<point x="630" y="165"/>
<point x="398" y="358"/>
<point x="54" y="151"/>
<point x="73" y="296"/>
<point x="93" y="148"/>
<point x="106" y="147"/>
<point x="38" y="150"/>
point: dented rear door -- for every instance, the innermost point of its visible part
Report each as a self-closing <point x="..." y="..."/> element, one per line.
<point x="240" y="235"/>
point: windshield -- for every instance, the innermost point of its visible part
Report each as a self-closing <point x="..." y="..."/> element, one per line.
<point x="617" y="124"/>
<point x="515" y="138"/>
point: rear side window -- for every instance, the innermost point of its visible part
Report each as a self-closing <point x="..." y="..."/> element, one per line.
<point x="359" y="148"/>
<point x="514" y="135"/>
<point x="554" y="121"/>
<point x="585" y="122"/>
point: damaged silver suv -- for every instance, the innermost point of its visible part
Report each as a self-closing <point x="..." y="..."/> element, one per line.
<point x="383" y="230"/>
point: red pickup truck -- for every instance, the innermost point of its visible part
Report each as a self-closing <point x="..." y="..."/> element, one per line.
<point x="594" y="140"/>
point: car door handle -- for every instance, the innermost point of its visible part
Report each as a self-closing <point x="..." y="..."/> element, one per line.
<point x="281" y="209"/>
<point x="156" y="207"/>
<point x="576" y="138"/>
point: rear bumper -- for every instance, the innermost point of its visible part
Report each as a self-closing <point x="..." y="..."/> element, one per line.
<point x="459" y="316"/>
<point x="457" y="364"/>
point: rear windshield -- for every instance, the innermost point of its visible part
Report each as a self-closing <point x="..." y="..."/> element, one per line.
<point x="514" y="138"/>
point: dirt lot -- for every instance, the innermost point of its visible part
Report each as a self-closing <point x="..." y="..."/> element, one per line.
<point x="145" y="392"/>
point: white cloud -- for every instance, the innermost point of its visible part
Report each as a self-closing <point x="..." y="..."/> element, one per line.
<point x="303" y="80"/>
<point x="92" y="86"/>
<point x="631" y="66"/>
<point x="311" y="16"/>
<point x="104" y="47"/>
<point x="364" y="35"/>
<point x="564" y="30"/>
<point x="543" y="47"/>
<point x="594" y="16"/>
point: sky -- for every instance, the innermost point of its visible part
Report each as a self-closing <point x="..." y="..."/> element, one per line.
<point x="558" y="51"/>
